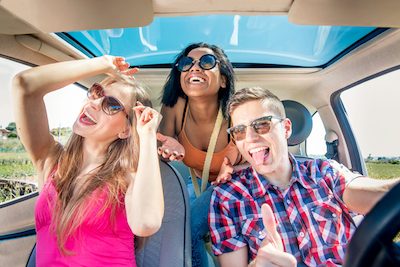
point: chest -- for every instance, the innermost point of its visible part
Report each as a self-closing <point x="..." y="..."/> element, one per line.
<point x="199" y="134"/>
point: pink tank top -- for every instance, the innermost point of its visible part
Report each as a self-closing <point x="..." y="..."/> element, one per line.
<point x="97" y="242"/>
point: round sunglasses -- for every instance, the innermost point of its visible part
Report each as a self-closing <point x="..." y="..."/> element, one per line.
<point x="110" y="105"/>
<point x="206" y="62"/>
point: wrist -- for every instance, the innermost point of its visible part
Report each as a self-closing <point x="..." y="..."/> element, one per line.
<point x="147" y="137"/>
<point x="106" y="61"/>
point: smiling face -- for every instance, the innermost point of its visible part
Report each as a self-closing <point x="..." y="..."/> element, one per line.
<point x="268" y="152"/>
<point x="94" y="123"/>
<point x="199" y="82"/>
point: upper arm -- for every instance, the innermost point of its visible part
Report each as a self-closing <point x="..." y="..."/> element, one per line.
<point x="32" y="124"/>
<point x="171" y="124"/>
<point x="167" y="124"/>
<point x="237" y="258"/>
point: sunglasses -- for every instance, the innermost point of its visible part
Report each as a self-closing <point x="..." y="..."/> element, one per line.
<point x="110" y="105"/>
<point x="206" y="62"/>
<point x="260" y="126"/>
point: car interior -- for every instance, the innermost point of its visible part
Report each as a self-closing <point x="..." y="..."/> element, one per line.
<point x="38" y="32"/>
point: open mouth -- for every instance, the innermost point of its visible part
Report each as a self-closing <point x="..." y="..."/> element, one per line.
<point x="259" y="154"/>
<point x="86" y="119"/>
<point x="196" y="80"/>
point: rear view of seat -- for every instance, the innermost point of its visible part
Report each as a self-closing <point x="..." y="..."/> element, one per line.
<point x="301" y="127"/>
<point x="171" y="245"/>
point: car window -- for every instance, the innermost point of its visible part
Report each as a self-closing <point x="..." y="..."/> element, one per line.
<point x="315" y="144"/>
<point x="17" y="174"/>
<point x="372" y="108"/>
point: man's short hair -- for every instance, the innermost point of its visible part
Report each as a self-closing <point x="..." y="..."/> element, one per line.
<point x="247" y="94"/>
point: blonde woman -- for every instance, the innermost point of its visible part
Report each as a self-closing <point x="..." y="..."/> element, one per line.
<point x="104" y="186"/>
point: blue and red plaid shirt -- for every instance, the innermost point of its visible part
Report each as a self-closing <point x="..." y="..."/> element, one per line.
<point x="312" y="219"/>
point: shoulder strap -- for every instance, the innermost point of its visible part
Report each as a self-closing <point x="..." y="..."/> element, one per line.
<point x="184" y="115"/>
<point x="207" y="162"/>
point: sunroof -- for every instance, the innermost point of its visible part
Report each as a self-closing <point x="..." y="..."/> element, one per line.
<point x="247" y="40"/>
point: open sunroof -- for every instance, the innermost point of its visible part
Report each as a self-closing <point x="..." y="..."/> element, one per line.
<point x="248" y="40"/>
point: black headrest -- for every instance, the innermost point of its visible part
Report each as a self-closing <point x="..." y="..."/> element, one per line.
<point x="301" y="121"/>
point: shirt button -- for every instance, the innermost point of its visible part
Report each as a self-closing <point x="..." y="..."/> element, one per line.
<point x="301" y="234"/>
<point x="288" y="201"/>
<point x="334" y="215"/>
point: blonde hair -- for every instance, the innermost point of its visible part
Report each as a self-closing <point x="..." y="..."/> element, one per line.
<point x="244" y="95"/>
<point x="121" y="159"/>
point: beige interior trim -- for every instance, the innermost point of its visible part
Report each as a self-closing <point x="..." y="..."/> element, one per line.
<point x="383" y="13"/>
<point x="38" y="46"/>
<point x="201" y="7"/>
<point x="15" y="252"/>
<point x="33" y="16"/>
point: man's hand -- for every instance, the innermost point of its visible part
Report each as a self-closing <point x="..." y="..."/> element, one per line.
<point x="271" y="252"/>
<point x="170" y="148"/>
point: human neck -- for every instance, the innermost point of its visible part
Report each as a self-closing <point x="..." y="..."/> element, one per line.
<point x="93" y="153"/>
<point x="203" y="111"/>
<point x="281" y="177"/>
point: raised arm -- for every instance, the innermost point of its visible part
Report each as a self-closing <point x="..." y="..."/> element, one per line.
<point x="144" y="200"/>
<point x="29" y="88"/>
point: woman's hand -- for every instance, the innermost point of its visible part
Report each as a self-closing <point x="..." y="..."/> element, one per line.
<point x="225" y="172"/>
<point x="170" y="148"/>
<point x="119" y="68"/>
<point x="271" y="252"/>
<point x="147" y="119"/>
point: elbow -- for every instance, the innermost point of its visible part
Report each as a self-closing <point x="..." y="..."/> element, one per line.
<point x="144" y="226"/>
<point x="21" y="83"/>
<point x="144" y="229"/>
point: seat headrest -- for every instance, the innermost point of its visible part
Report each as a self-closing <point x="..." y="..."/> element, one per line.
<point x="301" y="121"/>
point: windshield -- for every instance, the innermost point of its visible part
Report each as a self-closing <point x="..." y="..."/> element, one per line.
<point x="270" y="40"/>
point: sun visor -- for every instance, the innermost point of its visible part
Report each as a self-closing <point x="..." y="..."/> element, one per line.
<point x="201" y="7"/>
<point x="35" y="16"/>
<point x="384" y="13"/>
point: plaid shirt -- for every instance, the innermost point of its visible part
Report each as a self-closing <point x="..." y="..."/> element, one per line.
<point x="312" y="219"/>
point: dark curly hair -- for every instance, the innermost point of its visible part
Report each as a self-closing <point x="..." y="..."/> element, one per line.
<point x="172" y="88"/>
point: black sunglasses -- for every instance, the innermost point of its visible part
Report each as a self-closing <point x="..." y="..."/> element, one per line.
<point x="110" y="105"/>
<point x="206" y="62"/>
<point x="260" y="126"/>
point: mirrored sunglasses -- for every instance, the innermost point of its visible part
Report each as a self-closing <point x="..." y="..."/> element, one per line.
<point x="110" y="105"/>
<point x="206" y="62"/>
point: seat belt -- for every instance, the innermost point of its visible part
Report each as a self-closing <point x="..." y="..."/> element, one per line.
<point x="332" y="141"/>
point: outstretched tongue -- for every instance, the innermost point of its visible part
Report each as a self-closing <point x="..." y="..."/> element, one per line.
<point x="258" y="157"/>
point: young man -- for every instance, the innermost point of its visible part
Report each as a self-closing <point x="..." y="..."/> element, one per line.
<point x="310" y="201"/>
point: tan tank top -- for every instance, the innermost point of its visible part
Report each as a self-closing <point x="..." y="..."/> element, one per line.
<point x="194" y="157"/>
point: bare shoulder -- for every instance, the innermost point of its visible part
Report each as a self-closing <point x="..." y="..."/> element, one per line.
<point x="172" y="117"/>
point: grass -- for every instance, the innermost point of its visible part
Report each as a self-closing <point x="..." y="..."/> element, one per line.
<point x="16" y="166"/>
<point x="383" y="170"/>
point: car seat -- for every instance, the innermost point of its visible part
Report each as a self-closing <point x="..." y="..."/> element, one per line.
<point x="301" y="127"/>
<point x="171" y="245"/>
